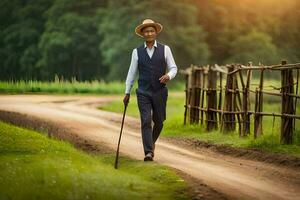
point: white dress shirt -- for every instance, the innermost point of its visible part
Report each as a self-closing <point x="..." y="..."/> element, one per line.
<point x="132" y="72"/>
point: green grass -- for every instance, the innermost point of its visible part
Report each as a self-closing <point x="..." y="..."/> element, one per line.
<point x="36" y="167"/>
<point x="62" y="87"/>
<point x="71" y="87"/>
<point x="173" y="127"/>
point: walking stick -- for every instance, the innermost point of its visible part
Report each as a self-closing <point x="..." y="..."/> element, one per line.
<point x="117" y="155"/>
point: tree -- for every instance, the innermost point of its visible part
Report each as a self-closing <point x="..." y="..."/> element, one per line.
<point x="288" y="38"/>
<point x="41" y="38"/>
<point x="181" y="33"/>
<point x="70" y="42"/>
<point x="22" y="24"/>
<point x="225" y="20"/>
<point x="254" y="46"/>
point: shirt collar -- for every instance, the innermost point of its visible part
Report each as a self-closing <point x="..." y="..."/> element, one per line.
<point x="155" y="44"/>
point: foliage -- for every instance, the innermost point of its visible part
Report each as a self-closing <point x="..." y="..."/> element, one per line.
<point x="22" y="23"/>
<point x="256" y="47"/>
<point x="92" y="39"/>
<point x="181" y="33"/>
<point x="226" y="20"/>
<point x="70" y="42"/>
<point x="289" y="38"/>
<point x="41" y="168"/>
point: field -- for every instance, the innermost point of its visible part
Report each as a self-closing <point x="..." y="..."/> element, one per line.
<point x="36" y="167"/>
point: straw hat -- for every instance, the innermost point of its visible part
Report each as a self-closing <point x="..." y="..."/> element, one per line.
<point x="146" y="23"/>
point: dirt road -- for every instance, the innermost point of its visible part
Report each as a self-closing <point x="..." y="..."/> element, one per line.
<point x="237" y="178"/>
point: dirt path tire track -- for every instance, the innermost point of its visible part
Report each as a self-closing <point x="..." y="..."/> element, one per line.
<point x="237" y="178"/>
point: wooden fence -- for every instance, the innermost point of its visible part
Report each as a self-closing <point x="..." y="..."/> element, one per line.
<point x="219" y="96"/>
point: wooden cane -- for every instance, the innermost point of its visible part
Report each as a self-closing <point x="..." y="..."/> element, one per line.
<point x="117" y="155"/>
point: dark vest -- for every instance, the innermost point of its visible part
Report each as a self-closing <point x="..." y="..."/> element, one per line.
<point x="150" y="70"/>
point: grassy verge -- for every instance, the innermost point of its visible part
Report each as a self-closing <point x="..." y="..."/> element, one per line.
<point x="70" y="87"/>
<point x="36" y="167"/>
<point x="270" y="141"/>
<point x="61" y="87"/>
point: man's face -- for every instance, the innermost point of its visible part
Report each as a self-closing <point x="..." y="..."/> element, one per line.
<point x="149" y="34"/>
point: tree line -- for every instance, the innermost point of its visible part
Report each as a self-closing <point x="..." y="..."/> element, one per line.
<point x="93" y="39"/>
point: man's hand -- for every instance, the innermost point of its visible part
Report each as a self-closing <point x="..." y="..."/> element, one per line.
<point x="164" y="79"/>
<point x="126" y="99"/>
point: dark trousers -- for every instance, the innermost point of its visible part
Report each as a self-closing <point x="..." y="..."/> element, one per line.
<point x="152" y="106"/>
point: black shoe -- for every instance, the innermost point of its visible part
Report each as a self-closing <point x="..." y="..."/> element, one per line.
<point x="148" y="157"/>
<point x="153" y="149"/>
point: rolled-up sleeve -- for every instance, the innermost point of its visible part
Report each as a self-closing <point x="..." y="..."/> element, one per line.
<point x="132" y="72"/>
<point x="171" y="65"/>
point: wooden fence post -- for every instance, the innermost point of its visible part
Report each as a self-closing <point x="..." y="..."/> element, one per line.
<point x="192" y="96"/>
<point x="259" y="107"/>
<point x="297" y="91"/>
<point x="220" y="96"/>
<point x="228" y="119"/>
<point x="211" y="100"/>
<point x="287" y="88"/>
<point x="238" y="100"/>
<point x="197" y="97"/>
<point x="187" y="94"/>
<point x="204" y="77"/>
<point x="246" y="103"/>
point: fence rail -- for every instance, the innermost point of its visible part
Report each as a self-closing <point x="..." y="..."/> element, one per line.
<point x="211" y="103"/>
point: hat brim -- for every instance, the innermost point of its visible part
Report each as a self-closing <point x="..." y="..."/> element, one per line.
<point x="138" y="29"/>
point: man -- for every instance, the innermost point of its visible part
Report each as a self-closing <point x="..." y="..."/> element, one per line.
<point x="151" y="60"/>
